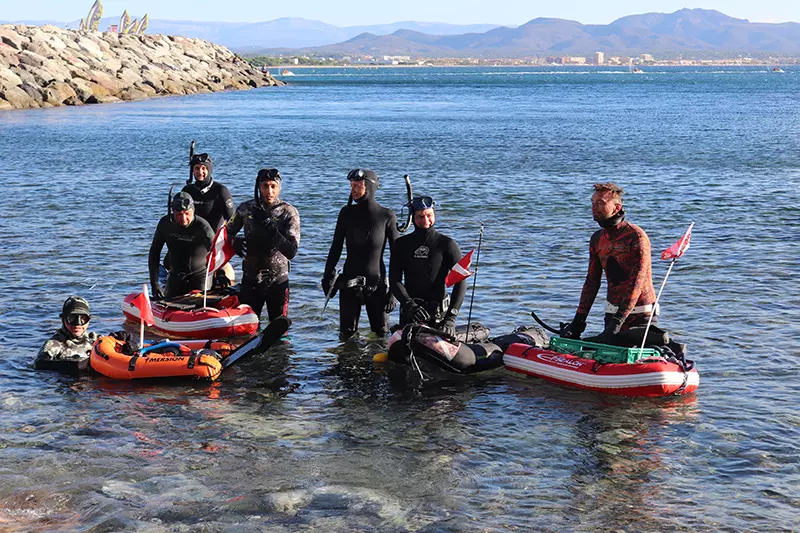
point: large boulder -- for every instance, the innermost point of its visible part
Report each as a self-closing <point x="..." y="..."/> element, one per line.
<point x="8" y="78"/>
<point x="33" y="91"/>
<point x="12" y="38"/>
<point x="58" y="93"/>
<point x="18" y="98"/>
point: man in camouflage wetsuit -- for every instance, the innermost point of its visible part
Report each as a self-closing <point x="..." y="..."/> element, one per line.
<point x="622" y="251"/>
<point x="271" y="237"/>
<point x="69" y="348"/>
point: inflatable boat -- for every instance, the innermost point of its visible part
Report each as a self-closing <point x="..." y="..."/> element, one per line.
<point x="417" y="344"/>
<point x="186" y="317"/>
<point x="602" y="368"/>
<point x="112" y="358"/>
<point x="118" y="359"/>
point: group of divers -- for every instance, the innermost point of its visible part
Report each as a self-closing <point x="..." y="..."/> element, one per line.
<point x="419" y="262"/>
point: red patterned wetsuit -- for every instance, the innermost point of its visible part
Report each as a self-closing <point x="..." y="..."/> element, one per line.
<point x="623" y="251"/>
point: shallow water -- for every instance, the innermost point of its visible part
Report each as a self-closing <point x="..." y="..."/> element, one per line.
<point x="313" y="436"/>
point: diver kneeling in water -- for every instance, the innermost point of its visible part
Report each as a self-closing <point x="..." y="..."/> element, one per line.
<point x="418" y="267"/>
<point x="621" y="250"/>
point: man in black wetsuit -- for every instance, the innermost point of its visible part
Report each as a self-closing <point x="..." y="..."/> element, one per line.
<point x="188" y="239"/>
<point x="365" y="226"/>
<point x="417" y="270"/>
<point x="213" y="203"/>
<point x="212" y="200"/>
<point x="271" y="237"/>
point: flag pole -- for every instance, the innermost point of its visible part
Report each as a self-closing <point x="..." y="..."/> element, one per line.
<point x="141" y="319"/>
<point x="474" y="281"/>
<point x="205" y="279"/>
<point x="661" y="289"/>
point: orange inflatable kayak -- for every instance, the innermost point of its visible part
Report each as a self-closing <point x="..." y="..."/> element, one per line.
<point x="162" y="360"/>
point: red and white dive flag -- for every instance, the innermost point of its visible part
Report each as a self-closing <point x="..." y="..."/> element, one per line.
<point x="142" y="303"/>
<point x="677" y="249"/>
<point x="221" y="251"/>
<point x="460" y="270"/>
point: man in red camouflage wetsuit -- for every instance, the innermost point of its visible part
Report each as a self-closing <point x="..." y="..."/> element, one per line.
<point x="622" y="250"/>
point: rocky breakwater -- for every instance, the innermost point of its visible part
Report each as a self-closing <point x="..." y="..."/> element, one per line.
<point x="47" y="66"/>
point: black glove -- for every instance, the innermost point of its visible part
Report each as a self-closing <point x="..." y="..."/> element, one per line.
<point x="448" y="325"/>
<point x="390" y="304"/>
<point x="613" y="325"/>
<point x="158" y="293"/>
<point x="418" y="313"/>
<point x="268" y="226"/>
<point x="573" y="330"/>
<point x="327" y="281"/>
<point x="121" y="335"/>
<point x="221" y="280"/>
<point x="240" y="246"/>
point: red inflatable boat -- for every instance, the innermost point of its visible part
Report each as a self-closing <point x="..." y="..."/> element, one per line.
<point x="186" y="317"/>
<point x="651" y="376"/>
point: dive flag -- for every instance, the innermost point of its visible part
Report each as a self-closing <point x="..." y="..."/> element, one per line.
<point x="142" y="303"/>
<point x="460" y="270"/>
<point x="677" y="249"/>
<point x="221" y="251"/>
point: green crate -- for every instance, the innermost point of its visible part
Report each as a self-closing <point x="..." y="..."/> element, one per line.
<point x="602" y="353"/>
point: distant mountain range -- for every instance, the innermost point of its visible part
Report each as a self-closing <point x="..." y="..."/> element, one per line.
<point x="278" y="33"/>
<point x="688" y="31"/>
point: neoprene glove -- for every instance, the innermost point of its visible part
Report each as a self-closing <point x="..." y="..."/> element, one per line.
<point x="612" y="329"/>
<point x="418" y="313"/>
<point x="391" y="303"/>
<point x="326" y="285"/>
<point x="240" y="246"/>
<point x="158" y="293"/>
<point x="448" y="325"/>
<point x="221" y="280"/>
<point x="574" y="329"/>
<point x="268" y="226"/>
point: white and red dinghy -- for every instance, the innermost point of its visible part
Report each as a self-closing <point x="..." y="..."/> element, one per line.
<point x="651" y="376"/>
<point x="185" y="317"/>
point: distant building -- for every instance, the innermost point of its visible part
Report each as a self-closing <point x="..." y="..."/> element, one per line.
<point x="599" y="58"/>
<point x="646" y="58"/>
<point x="573" y="60"/>
<point x="615" y="60"/>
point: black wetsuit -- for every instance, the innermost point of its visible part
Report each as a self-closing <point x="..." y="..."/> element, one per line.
<point x="188" y="247"/>
<point x="417" y="270"/>
<point x="365" y="227"/>
<point x="212" y="202"/>
<point x="265" y="268"/>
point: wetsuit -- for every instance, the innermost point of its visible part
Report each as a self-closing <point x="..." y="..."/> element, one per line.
<point x="265" y="267"/>
<point x="417" y="270"/>
<point x="365" y="227"/>
<point x="188" y="247"/>
<point x="64" y="352"/>
<point x="212" y="202"/>
<point x="622" y="250"/>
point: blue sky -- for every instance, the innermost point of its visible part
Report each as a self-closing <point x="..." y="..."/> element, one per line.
<point x="356" y="12"/>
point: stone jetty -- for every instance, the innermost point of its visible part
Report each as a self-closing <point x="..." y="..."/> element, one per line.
<point x="47" y="66"/>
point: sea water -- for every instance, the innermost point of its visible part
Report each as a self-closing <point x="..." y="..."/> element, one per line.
<point x="313" y="436"/>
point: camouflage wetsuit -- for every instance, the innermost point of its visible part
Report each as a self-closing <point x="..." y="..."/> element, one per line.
<point x="623" y="252"/>
<point x="265" y="268"/>
<point x="64" y="352"/>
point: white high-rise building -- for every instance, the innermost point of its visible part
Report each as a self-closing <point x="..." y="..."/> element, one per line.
<point x="599" y="58"/>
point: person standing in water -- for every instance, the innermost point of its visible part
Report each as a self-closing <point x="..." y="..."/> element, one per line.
<point x="418" y="267"/>
<point x="365" y="227"/>
<point x="188" y="239"/>
<point x="270" y="241"/>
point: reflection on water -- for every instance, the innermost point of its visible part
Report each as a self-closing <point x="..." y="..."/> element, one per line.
<point x="314" y="436"/>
